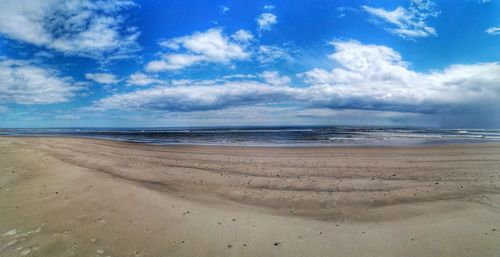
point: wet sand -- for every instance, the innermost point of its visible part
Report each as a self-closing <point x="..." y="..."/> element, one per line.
<point x="85" y="197"/>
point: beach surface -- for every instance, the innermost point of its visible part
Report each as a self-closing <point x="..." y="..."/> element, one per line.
<point x="87" y="197"/>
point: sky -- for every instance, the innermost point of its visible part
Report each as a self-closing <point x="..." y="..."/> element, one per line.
<point x="182" y="63"/>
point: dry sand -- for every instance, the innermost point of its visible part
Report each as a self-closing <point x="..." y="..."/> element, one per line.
<point x="84" y="197"/>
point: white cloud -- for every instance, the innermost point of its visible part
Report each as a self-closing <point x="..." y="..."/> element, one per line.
<point x="407" y="23"/>
<point x="269" y="53"/>
<point x="493" y="31"/>
<point x="213" y="46"/>
<point x="268" y="7"/>
<point x="342" y="10"/>
<point x="272" y="78"/>
<point x="239" y="76"/>
<point x="275" y="79"/>
<point x="266" y="20"/>
<point x="25" y="83"/>
<point x="141" y="79"/>
<point x="366" y="77"/>
<point x="210" y="46"/>
<point x="376" y="77"/>
<point x="77" y="27"/>
<point x="242" y="36"/>
<point x="223" y="8"/>
<point x="174" y="62"/>
<point x="186" y="98"/>
<point x="102" y="78"/>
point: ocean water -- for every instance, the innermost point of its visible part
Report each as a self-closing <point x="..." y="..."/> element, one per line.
<point x="274" y="136"/>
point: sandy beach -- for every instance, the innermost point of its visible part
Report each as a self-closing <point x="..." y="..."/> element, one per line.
<point x="87" y="197"/>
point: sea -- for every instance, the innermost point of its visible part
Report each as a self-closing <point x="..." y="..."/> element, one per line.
<point x="274" y="136"/>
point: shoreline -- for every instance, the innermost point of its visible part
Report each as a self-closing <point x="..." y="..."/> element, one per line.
<point x="291" y="146"/>
<point x="129" y="199"/>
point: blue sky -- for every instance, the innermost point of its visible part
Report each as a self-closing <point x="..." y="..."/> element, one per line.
<point x="131" y="63"/>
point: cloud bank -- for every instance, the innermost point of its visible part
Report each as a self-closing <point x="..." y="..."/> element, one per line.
<point x="376" y="77"/>
<point x="199" y="97"/>
<point x="368" y="77"/>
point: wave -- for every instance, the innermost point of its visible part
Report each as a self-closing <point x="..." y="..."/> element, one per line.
<point x="274" y="135"/>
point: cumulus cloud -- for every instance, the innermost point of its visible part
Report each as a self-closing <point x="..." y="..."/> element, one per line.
<point x="211" y="46"/>
<point x="493" y="30"/>
<point x="410" y="22"/>
<point x="266" y="20"/>
<point x="102" y="78"/>
<point x="141" y="79"/>
<point x="25" y="83"/>
<point x="76" y="27"/>
<point x="242" y="36"/>
<point x="376" y="77"/>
